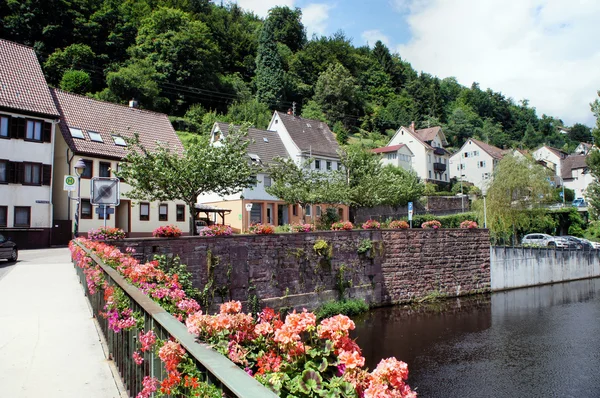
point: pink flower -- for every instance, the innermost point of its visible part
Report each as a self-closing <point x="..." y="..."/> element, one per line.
<point x="150" y="384"/>
<point x="147" y="340"/>
<point x="138" y="358"/>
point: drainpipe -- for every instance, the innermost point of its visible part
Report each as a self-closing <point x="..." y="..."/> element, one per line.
<point x="52" y="143"/>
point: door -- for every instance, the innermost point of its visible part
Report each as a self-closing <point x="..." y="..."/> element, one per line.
<point x="123" y="216"/>
<point x="270" y="213"/>
<point x="282" y="215"/>
<point x="61" y="232"/>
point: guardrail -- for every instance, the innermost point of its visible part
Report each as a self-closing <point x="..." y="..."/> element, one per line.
<point x="218" y="369"/>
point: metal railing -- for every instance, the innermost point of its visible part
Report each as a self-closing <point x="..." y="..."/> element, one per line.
<point x="218" y="369"/>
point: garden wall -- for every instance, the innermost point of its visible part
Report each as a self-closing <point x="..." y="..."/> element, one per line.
<point x="438" y="205"/>
<point x="284" y="271"/>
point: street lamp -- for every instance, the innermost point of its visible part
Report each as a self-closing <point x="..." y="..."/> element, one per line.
<point x="79" y="170"/>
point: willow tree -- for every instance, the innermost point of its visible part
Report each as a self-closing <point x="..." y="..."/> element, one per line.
<point x="516" y="197"/>
<point x="164" y="175"/>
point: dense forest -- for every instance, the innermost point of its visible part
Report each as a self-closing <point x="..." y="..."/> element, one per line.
<point x="199" y="61"/>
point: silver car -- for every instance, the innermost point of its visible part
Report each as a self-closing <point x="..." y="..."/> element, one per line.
<point x="544" y="240"/>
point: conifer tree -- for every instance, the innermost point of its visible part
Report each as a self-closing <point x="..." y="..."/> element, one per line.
<point x="269" y="70"/>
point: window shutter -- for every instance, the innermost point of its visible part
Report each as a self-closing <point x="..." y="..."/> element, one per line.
<point x="47" y="132"/>
<point x="13" y="127"/>
<point x="46" y="174"/>
<point x="20" y="124"/>
<point x="12" y="173"/>
<point x="19" y="172"/>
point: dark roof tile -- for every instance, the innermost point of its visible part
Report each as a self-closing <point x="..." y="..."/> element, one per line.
<point x="310" y="135"/>
<point x="266" y="144"/>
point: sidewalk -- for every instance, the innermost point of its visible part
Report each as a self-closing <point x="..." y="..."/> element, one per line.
<point x="49" y="345"/>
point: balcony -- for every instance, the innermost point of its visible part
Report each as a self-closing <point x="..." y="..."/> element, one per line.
<point x="439" y="151"/>
<point x="439" y="167"/>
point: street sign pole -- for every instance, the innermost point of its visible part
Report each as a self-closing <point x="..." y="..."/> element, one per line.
<point x="104" y="210"/>
<point x="410" y="213"/>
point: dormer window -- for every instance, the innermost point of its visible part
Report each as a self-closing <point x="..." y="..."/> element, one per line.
<point x="254" y="157"/>
<point x="76" y="133"/>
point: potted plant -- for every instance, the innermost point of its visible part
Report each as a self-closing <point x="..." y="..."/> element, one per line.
<point x="433" y="224"/>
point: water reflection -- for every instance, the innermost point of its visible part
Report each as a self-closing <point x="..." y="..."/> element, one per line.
<point x="536" y="342"/>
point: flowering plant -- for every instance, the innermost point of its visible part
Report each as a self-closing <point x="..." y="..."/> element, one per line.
<point x="167" y="231"/>
<point x="371" y="224"/>
<point x="261" y="229"/>
<point x="107" y="233"/>
<point x="302" y="227"/>
<point x="435" y="224"/>
<point x="395" y="224"/>
<point x="215" y="230"/>
<point x="468" y="224"/>
<point x="342" y="226"/>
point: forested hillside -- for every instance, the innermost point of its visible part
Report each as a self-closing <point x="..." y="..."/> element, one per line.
<point x="198" y="61"/>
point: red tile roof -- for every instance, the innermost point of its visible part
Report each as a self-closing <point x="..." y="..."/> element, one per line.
<point x="428" y="134"/>
<point x="110" y="119"/>
<point x="493" y="151"/>
<point x="386" y="149"/>
<point x="23" y="86"/>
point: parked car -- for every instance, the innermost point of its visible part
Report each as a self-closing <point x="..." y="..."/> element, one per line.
<point x="8" y="249"/>
<point x="579" y="202"/>
<point x="578" y="243"/>
<point x="545" y="240"/>
<point x="596" y="245"/>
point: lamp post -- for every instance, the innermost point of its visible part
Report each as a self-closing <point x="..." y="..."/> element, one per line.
<point x="79" y="170"/>
<point x="484" y="189"/>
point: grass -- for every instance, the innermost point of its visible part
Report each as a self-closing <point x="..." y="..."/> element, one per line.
<point x="349" y="307"/>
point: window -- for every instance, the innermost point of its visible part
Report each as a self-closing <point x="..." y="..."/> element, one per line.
<point x="294" y="210"/>
<point x="265" y="139"/>
<point x="308" y="210"/>
<point x="256" y="213"/>
<point x="119" y="140"/>
<point x="32" y="174"/>
<point x="392" y="156"/>
<point x="34" y="130"/>
<point x="76" y="133"/>
<point x="3" y="171"/>
<point x="481" y="164"/>
<point x="445" y="177"/>
<point x="86" y="209"/>
<point x="466" y="154"/>
<point x="22" y="216"/>
<point x="318" y="164"/>
<point x="144" y="211"/>
<point x="95" y="136"/>
<point x="88" y="172"/>
<point x="318" y="211"/>
<point x="430" y="174"/>
<point x="4" y="127"/>
<point x="267" y="181"/>
<point x="328" y="165"/>
<point x="180" y="210"/>
<point x="163" y="212"/>
<point x="3" y="216"/>
<point x="104" y="169"/>
<point x="485" y="176"/>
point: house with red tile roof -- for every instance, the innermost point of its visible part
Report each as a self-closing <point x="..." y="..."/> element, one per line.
<point x="576" y="174"/>
<point x="475" y="162"/>
<point x="28" y="120"/>
<point x="430" y="159"/>
<point x="396" y="155"/>
<point x="551" y="158"/>
<point x="94" y="131"/>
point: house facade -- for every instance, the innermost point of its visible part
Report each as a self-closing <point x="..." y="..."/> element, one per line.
<point x="264" y="148"/>
<point x="28" y="119"/>
<point x="550" y="157"/>
<point x="475" y="162"/>
<point x="93" y="131"/>
<point x="396" y="155"/>
<point x="583" y="148"/>
<point x="576" y="175"/>
<point x="430" y="160"/>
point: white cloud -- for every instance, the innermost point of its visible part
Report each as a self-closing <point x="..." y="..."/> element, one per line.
<point x="315" y="17"/>
<point x="371" y="36"/>
<point x="262" y="7"/>
<point x="542" y="50"/>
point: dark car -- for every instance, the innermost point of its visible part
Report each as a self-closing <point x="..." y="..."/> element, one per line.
<point x="577" y="243"/>
<point x="8" y="249"/>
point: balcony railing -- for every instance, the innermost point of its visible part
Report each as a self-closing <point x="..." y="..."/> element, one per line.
<point x="439" y="167"/>
<point x="217" y="369"/>
<point x="439" y="151"/>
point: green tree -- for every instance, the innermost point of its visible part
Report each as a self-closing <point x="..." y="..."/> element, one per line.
<point x="593" y="162"/>
<point x="515" y="197"/>
<point x="255" y="113"/>
<point x="287" y="27"/>
<point x="269" y="71"/>
<point x="580" y="133"/>
<point x="336" y="94"/>
<point x="165" y="175"/>
<point x="73" y="57"/>
<point x="76" y="81"/>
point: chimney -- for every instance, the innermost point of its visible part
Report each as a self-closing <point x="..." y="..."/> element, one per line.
<point x="133" y="103"/>
<point x="412" y="126"/>
<point x="289" y="112"/>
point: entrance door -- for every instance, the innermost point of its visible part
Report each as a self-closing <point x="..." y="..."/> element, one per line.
<point x="282" y="215"/>
<point x="61" y="232"/>
<point x="123" y="216"/>
<point x="270" y="213"/>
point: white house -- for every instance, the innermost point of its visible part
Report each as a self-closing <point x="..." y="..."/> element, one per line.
<point x="576" y="175"/>
<point x="583" y="148"/>
<point x="551" y="158"/>
<point x="430" y="159"/>
<point x="396" y="155"/>
<point x="475" y="162"/>
<point x="93" y="131"/>
<point x="28" y="118"/>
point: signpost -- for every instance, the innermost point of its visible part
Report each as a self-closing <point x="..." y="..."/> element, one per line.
<point x="248" y="209"/>
<point x="105" y="193"/>
<point x="69" y="183"/>
<point x="410" y="212"/>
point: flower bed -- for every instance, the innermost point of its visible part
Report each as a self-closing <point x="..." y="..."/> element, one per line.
<point x="342" y="226"/>
<point x="107" y="233"/>
<point x="216" y="230"/>
<point x="371" y="224"/>
<point x="294" y="357"/>
<point x="167" y="231"/>
<point x="468" y="224"/>
<point x="395" y="224"/>
<point x="433" y="224"/>
<point x="261" y="229"/>
<point x="302" y="227"/>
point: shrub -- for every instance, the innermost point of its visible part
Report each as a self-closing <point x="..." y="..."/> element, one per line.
<point x="396" y="224"/>
<point x="107" y="233"/>
<point x="349" y="307"/>
<point x="302" y="227"/>
<point x="434" y="224"/>
<point x="371" y="224"/>
<point x="364" y="246"/>
<point x="167" y="231"/>
<point x="322" y="248"/>
<point x="468" y="224"/>
<point x="450" y="221"/>
<point x="261" y="229"/>
<point x="282" y="229"/>
<point x="215" y="230"/>
<point x="342" y="226"/>
<point x="327" y="218"/>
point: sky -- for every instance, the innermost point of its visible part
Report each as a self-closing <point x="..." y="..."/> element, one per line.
<point x="546" y="51"/>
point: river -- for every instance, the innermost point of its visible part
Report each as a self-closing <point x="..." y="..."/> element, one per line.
<point x="534" y="342"/>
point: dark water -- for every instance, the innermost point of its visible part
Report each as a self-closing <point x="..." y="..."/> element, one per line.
<point x="536" y="342"/>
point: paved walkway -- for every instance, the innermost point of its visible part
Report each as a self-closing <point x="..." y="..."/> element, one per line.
<point x="49" y="345"/>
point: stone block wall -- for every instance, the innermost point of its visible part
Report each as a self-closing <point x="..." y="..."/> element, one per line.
<point x="284" y="270"/>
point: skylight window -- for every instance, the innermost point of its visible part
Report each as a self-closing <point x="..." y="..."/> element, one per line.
<point x="254" y="157"/>
<point x="119" y="140"/>
<point x="95" y="136"/>
<point x="76" y="133"/>
<point x="265" y="139"/>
